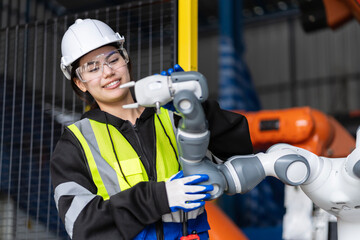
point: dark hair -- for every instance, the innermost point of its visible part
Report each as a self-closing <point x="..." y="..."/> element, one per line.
<point x="86" y="96"/>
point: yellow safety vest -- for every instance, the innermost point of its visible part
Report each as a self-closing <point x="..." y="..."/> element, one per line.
<point x="102" y="161"/>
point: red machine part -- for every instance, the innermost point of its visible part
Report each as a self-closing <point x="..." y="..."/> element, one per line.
<point x="190" y="237"/>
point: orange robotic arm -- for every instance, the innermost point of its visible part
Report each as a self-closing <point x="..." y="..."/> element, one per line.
<point x="318" y="14"/>
<point x="302" y="127"/>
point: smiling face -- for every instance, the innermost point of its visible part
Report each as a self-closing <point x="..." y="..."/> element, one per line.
<point x="105" y="86"/>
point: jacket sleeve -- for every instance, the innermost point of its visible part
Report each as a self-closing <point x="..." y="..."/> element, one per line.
<point x="229" y="131"/>
<point x="85" y="214"/>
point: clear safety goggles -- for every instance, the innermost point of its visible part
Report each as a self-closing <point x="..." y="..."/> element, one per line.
<point x="94" y="69"/>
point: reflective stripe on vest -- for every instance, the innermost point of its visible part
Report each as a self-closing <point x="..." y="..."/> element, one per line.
<point x="106" y="173"/>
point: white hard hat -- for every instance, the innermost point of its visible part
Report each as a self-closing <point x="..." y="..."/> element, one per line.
<point x="82" y="37"/>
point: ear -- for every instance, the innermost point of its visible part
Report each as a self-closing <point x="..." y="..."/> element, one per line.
<point x="80" y="84"/>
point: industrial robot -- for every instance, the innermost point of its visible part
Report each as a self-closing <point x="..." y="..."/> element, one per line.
<point x="331" y="183"/>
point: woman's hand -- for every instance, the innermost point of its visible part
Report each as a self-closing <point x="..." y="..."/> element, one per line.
<point x="185" y="193"/>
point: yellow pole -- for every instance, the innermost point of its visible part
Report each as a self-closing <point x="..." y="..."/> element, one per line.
<point x="188" y="34"/>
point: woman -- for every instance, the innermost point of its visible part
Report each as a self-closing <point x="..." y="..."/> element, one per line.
<point x="111" y="170"/>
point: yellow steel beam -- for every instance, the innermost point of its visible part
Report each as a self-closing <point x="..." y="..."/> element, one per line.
<point x="188" y="34"/>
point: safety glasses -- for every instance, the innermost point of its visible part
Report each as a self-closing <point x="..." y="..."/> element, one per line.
<point x="94" y="69"/>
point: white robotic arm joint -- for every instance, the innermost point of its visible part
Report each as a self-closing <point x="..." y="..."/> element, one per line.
<point x="244" y="172"/>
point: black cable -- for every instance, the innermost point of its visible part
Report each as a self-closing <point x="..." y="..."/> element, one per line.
<point x="183" y="214"/>
<point x="159" y="230"/>
<point x="184" y="223"/>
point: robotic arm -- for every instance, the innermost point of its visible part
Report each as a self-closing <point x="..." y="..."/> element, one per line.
<point x="331" y="183"/>
<point x="187" y="90"/>
<point x="239" y="174"/>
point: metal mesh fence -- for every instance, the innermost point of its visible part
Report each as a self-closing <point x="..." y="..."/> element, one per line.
<point x="36" y="102"/>
<point x="292" y="68"/>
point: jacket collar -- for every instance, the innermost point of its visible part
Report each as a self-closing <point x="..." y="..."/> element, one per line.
<point x="104" y="117"/>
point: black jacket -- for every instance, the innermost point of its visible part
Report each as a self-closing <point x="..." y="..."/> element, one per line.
<point x="125" y="214"/>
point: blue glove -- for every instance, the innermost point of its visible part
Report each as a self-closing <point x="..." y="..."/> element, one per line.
<point x="177" y="68"/>
<point x="184" y="193"/>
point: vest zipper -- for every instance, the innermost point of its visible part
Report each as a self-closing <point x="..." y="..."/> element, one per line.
<point x="149" y="166"/>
